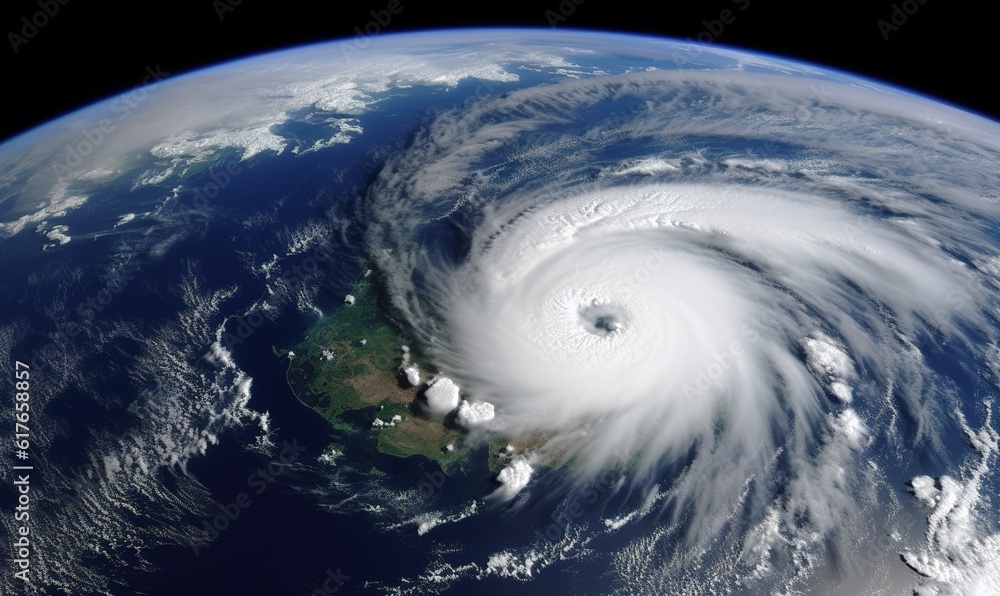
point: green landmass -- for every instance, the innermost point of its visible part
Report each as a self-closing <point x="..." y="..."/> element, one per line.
<point x="194" y="169"/>
<point x="347" y="370"/>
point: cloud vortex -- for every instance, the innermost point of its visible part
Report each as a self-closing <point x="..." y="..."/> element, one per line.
<point x="720" y="270"/>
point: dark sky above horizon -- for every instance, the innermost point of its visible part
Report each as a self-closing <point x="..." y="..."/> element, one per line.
<point x="86" y="52"/>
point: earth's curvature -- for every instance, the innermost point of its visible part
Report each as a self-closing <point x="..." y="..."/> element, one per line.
<point x="581" y="312"/>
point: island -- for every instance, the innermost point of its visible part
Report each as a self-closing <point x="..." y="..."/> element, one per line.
<point x="359" y="370"/>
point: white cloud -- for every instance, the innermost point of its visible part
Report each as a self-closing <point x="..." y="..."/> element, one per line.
<point x="472" y="414"/>
<point x="441" y="397"/>
<point x="513" y="479"/>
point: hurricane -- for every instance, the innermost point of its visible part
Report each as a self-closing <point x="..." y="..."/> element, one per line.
<point x="632" y="293"/>
<point x="504" y="311"/>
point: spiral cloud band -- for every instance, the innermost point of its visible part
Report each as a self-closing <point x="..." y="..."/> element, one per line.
<point x="739" y="275"/>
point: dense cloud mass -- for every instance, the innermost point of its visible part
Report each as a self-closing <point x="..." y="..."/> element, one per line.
<point x="714" y="271"/>
<point x="722" y="323"/>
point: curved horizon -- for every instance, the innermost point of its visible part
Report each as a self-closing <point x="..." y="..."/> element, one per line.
<point x="563" y="31"/>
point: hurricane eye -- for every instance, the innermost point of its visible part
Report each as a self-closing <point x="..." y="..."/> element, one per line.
<point x="603" y="320"/>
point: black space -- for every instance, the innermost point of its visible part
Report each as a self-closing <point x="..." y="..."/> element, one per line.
<point x="91" y="50"/>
